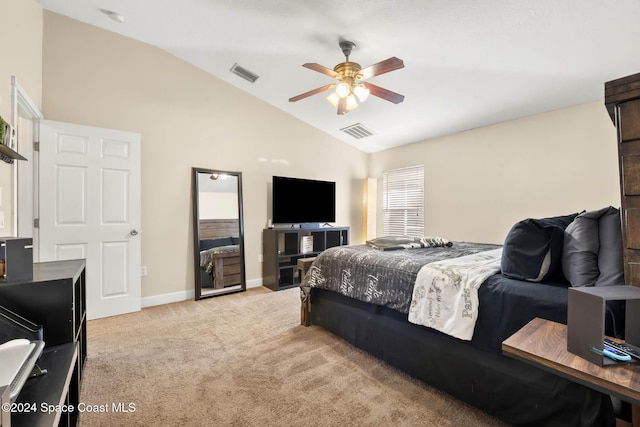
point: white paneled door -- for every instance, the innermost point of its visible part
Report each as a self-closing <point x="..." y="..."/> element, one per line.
<point x="89" y="207"/>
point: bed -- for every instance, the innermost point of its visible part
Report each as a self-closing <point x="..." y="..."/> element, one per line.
<point x="365" y="295"/>
<point x="219" y="253"/>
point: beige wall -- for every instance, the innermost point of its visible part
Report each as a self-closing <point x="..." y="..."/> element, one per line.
<point x="21" y="35"/>
<point x="187" y="118"/>
<point x="480" y="182"/>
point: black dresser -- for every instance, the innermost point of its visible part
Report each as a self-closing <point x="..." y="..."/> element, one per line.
<point x="54" y="298"/>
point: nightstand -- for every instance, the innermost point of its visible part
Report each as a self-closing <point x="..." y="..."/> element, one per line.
<point x="543" y="344"/>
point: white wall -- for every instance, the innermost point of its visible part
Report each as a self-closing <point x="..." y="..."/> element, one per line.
<point x="217" y="205"/>
<point x="480" y="182"/>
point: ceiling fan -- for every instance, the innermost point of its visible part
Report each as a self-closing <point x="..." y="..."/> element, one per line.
<point x="351" y="86"/>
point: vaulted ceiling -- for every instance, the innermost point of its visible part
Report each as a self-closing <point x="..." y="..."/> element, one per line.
<point x="466" y="63"/>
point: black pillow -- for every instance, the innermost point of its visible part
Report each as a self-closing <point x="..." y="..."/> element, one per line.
<point x="533" y="249"/>
<point x="206" y="244"/>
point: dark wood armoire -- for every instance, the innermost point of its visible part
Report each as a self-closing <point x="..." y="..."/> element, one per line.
<point x="622" y="99"/>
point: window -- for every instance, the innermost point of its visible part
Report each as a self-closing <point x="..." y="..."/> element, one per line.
<point x="403" y="204"/>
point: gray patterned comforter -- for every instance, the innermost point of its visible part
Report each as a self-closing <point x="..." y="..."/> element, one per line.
<point x="379" y="277"/>
<point x="206" y="257"/>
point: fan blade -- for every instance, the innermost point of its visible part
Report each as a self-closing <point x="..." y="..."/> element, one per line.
<point x="312" y="92"/>
<point x="342" y="106"/>
<point x="382" y="67"/>
<point x="383" y="93"/>
<point x="321" y="69"/>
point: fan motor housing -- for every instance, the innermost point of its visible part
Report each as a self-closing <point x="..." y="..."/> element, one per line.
<point x="348" y="69"/>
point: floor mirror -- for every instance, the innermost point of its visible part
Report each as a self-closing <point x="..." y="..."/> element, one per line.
<point x="218" y="232"/>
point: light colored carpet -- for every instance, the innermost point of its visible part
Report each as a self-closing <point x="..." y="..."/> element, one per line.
<point x="244" y="360"/>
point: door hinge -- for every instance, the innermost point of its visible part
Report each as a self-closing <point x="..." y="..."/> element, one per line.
<point x="36" y="223"/>
<point x="36" y="146"/>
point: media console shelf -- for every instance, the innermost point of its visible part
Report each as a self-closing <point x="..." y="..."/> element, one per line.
<point x="283" y="247"/>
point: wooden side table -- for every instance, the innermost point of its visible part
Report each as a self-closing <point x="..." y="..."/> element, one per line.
<point x="543" y="343"/>
<point x="305" y="292"/>
<point x="226" y="269"/>
<point x="303" y="265"/>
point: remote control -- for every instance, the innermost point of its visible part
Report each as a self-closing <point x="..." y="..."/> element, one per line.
<point x="613" y="353"/>
<point x="623" y="347"/>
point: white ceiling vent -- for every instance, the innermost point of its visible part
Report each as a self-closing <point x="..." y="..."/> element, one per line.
<point x="358" y="131"/>
<point x="244" y="73"/>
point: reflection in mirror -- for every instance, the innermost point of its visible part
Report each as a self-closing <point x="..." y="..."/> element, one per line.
<point x="218" y="232"/>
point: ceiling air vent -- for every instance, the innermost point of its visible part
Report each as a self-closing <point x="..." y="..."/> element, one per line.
<point x="244" y="73"/>
<point x="358" y="131"/>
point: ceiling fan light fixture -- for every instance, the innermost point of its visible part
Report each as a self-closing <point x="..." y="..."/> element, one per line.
<point x="333" y="99"/>
<point x="351" y="88"/>
<point x="343" y="90"/>
<point x="218" y="176"/>
<point x="361" y="91"/>
<point x="352" y="103"/>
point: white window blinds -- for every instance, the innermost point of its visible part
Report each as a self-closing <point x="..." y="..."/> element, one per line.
<point x="403" y="204"/>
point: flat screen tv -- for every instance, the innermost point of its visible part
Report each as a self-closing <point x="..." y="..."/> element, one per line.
<point x="301" y="201"/>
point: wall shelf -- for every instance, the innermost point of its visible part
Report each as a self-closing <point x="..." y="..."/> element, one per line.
<point x="8" y="155"/>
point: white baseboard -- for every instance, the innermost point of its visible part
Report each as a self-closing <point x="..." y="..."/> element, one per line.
<point x="254" y="283"/>
<point x="167" y="298"/>
<point x="185" y="295"/>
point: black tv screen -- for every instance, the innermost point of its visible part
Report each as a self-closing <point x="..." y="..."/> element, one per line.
<point x="298" y="201"/>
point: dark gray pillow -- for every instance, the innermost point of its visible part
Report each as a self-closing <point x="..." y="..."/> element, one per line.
<point x="592" y="250"/>
<point x="580" y="250"/>
<point x="206" y="244"/>
<point x="610" y="261"/>
<point x="532" y="250"/>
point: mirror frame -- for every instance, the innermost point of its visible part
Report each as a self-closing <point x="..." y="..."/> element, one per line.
<point x="196" y="233"/>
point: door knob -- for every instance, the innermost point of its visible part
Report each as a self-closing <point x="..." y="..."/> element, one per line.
<point x="134" y="232"/>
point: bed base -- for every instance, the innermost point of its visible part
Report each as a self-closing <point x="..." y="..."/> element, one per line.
<point x="506" y="388"/>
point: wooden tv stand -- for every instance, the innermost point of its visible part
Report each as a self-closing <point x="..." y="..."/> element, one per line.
<point x="283" y="247"/>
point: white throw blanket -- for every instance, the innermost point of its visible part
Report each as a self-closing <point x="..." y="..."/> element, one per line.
<point x="445" y="296"/>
